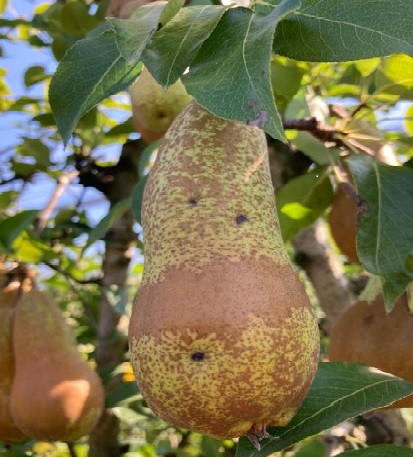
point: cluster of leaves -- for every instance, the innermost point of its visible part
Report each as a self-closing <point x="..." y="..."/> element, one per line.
<point x="241" y="66"/>
<point x="223" y="56"/>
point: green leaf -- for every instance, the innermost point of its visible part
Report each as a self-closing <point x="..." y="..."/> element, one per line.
<point x="210" y="446"/>
<point x="100" y="65"/>
<point x="98" y="232"/>
<point x="173" y="48"/>
<point x="302" y="200"/>
<point x="341" y="30"/>
<point x="6" y="198"/>
<point x="146" y="156"/>
<point x="385" y="228"/>
<point x="286" y="78"/>
<point x="11" y="227"/>
<point x="34" y="75"/>
<point x="128" y="416"/>
<point x="380" y="450"/>
<point x="395" y="76"/>
<point x="119" y="392"/>
<point x="234" y="64"/>
<point x="340" y="391"/>
<point x="75" y="18"/>
<point x="137" y="197"/>
<point x="408" y="120"/>
<point x="34" y="147"/>
<point x="170" y="10"/>
<point x="367" y="66"/>
<point x="312" y="448"/>
<point x="26" y="248"/>
<point x="314" y="148"/>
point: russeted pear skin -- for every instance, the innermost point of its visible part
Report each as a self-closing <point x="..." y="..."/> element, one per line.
<point x="55" y="395"/>
<point x="9" y="432"/>
<point x="343" y="224"/>
<point x="153" y="108"/>
<point x="222" y="337"/>
<point x="366" y="333"/>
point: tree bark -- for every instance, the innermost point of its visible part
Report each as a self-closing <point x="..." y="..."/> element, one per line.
<point x="120" y="241"/>
<point x="325" y="271"/>
<point x="313" y="251"/>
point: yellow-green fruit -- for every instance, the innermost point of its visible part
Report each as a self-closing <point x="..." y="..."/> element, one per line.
<point x="153" y="108"/>
<point x="222" y="337"/>
<point x="8" y="298"/>
<point x="55" y="395"/>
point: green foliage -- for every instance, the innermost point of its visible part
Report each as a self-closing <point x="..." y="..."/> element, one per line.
<point x="237" y="62"/>
<point x="119" y="46"/>
<point x="303" y="200"/>
<point x="230" y="54"/>
<point x="340" y="30"/>
<point x="385" y="211"/>
<point x="340" y="391"/>
<point x="99" y="231"/>
<point x="11" y="227"/>
<point x="380" y="451"/>
<point x="173" y="48"/>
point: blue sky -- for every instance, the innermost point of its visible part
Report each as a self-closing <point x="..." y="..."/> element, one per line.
<point x="17" y="57"/>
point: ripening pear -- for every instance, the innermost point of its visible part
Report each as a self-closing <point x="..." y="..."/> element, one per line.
<point x="222" y="337"/>
<point x="367" y="333"/>
<point x="55" y="395"/>
<point x="343" y="215"/>
<point x="153" y="108"/>
<point x="8" y="298"/>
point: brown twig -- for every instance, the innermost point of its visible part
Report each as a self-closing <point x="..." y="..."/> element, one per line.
<point x="44" y="215"/>
<point x="96" y="281"/>
<point x="315" y="127"/>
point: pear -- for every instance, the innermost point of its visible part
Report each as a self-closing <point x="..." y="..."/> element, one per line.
<point x="343" y="224"/>
<point x="367" y="333"/>
<point x="8" y="299"/>
<point x="55" y="395"/>
<point x="343" y="214"/>
<point x="153" y="108"/>
<point x="222" y="337"/>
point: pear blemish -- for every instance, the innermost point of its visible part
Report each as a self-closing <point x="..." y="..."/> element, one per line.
<point x="241" y="219"/>
<point x="233" y="293"/>
<point x="198" y="356"/>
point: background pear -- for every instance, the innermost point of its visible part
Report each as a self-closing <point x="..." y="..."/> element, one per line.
<point x="55" y="395"/>
<point x="153" y="108"/>
<point x="367" y="334"/>
<point x="8" y="298"/>
<point x="222" y="337"/>
<point x="343" y="214"/>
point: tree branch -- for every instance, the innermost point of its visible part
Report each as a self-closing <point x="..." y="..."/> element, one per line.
<point x="317" y="128"/>
<point x="120" y="241"/>
<point x="62" y="182"/>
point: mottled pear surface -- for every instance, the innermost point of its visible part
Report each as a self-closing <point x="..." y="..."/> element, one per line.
<point x="223" y="340"/>
<point x="153" y="108"/>
<point x="8" y="298"/>
<point x="55" y="395"/>
<point x="343" y="224"/>
<point x="367" y="333"/>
